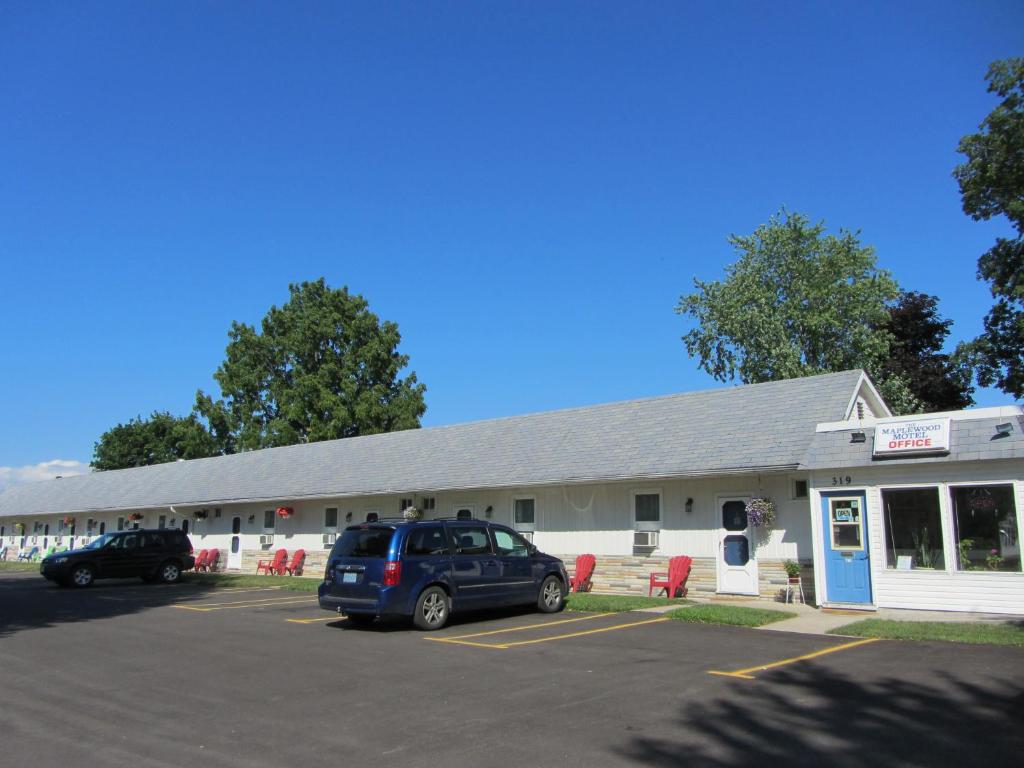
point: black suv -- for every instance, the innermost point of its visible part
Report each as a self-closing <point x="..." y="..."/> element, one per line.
<point x="154" y="555"/>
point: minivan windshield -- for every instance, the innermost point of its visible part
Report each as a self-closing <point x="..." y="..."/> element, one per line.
<point x="364" y="542"/>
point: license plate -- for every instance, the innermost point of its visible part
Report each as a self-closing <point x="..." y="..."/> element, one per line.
<point x="349" y="577"/>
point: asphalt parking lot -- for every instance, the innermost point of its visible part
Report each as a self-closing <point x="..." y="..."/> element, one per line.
<point x="126" y="674"/>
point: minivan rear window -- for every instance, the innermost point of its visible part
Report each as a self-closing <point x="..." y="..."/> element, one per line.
<point x="364" y="542"/>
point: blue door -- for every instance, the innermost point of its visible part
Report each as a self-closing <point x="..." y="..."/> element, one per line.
<point x="847" y="563"/>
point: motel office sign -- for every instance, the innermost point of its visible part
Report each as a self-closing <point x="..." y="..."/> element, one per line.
<point x="913" y="436"/>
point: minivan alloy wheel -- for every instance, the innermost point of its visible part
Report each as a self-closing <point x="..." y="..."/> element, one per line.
<point x="434" y="608"/>
<point x="552" y="593"/>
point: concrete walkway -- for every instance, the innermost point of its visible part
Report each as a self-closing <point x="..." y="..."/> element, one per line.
<point x="816" y="621"/>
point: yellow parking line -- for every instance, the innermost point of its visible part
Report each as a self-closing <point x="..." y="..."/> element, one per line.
<point x="259" y="600"/>
<point x="586" y="632"/>
<point x="528" y="626"/>
<point x="244" y="604"/>
<point x="745" y="673"/>
<point x="314" y="621"/>
<point x="502" y="646"/>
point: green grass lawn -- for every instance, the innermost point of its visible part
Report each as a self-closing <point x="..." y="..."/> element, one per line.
<point x="733" y="615"/>
<point x="14" y="565"/>
<point x="587" y="601"/>
<point x="979" y="633"/>
<point x="294" y="583"/>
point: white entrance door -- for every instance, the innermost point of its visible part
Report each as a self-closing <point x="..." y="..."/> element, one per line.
<point x="737" y="564"/>
<point x="235" y="549"/>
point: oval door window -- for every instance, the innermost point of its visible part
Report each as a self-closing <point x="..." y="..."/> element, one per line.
<point x="737" y="550"/>
<point x="734" y="516"/>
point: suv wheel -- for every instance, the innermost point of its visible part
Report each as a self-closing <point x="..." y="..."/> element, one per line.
<point x="169" y="572"/>
<point x="82" y="576"/>
<point x="432" y="609"/>
<point x="551" y="598"/>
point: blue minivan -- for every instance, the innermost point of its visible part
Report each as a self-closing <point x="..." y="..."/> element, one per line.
<point x="427" y="569"/>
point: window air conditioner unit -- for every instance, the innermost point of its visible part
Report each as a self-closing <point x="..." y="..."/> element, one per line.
<point x="646" y="539"/>
<point x="266" y="539"/>
<point x="329" y="539"/>
<point x="528" y="535"/>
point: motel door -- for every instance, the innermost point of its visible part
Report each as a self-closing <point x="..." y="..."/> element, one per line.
<point x="737" y="564"/>
<point x="235" y="551"/>
<point x="845" y="534"/>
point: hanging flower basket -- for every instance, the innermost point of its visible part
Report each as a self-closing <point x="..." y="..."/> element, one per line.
<point x="761" y="512"/>
<point x="19" y="527"/>
<point x="285" y="512"/>
<point x="135" y="516"/>
<point x="411" y="513"/>
<point x="200" y="514"/>
<point x="69" y="521"/>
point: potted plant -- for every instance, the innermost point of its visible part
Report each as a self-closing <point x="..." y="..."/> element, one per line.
<point x="135" y="516"/>
<point x="69" y="521"/>
<point x="792" y="568"/>
<point x="200" y="514"/>
<point x="285" y="512"/>
<point x="411" y="513"/>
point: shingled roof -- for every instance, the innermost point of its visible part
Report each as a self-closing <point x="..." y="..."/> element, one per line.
<point x="758" y="427"/>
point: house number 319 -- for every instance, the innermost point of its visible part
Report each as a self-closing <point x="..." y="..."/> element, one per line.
<point x="844" y="480"/>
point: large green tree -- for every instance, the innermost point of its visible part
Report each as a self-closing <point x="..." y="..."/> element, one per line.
<point x="322" y="366"/>
<point x="992" y="184"/>
<point x="939" y="381"/>
<point x="156" y="440"/>
<point x="797" y="302"/>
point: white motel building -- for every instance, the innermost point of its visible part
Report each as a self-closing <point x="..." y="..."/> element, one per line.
<point x="882" y="511"/>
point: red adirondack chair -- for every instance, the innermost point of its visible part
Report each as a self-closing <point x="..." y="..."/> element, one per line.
<point x="675" y="579"/>
<point x="584" y="570"/>
<point x="201" y="559"/>
<point x="211" y="560"/>
<point x="294" y="568"/>
<point x="273" y="566"/>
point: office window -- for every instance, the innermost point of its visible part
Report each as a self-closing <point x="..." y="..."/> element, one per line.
<point x="799" y="489"/>
<point x="331" y="517"/>
<point x="913" y="528"/>
<point x="268" y="520"/>
<point x="985" y="523"/>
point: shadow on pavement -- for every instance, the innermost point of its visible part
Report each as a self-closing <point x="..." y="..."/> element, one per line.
<point x="814" y="716"/>
<point x="28" y="601"/>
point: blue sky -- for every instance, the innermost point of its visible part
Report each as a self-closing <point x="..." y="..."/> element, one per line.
<point x="526" y="188"/>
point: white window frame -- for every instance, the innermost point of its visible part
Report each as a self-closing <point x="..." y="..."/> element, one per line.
<point x="648" y="525"/>
<point x="946" y="500"/>
<point x="273" y="521"/>
<point x="337" y="518"/>
<point x="807" y="489"/>
<point x="524" y="527"/>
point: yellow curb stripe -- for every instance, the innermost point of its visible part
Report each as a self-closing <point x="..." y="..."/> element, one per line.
<point x="745" y="673"/>
<point x="529" y="626"/>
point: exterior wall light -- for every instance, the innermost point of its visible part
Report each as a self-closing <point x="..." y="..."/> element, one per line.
<point x="1004" y="429"/>
<point x="858" y="437"/>
<point x="689" y="506"/>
